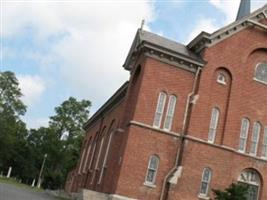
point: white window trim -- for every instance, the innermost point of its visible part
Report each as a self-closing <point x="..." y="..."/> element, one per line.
<point x="92" y="156"/>
<point x="216" y="124"/>
<point x="221" y="81"/>
<point x="105" y="158"/>
<point x="87" y="155"/>
<point x="208" y="183"/>
<point x="81" y="162"/>
<point x="255" y="71"/>
<point x="148" y="183"/>
<point x="98" y="157"/>
<point x="247" y="130"/>
<point x="99" y="152"/>
<point x="168" y="110"/>
<point x="257" y="141"/>
<point x="263" y="144"/>
<point x="161" y="113"/>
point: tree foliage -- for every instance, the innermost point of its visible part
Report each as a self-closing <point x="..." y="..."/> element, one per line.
<point x="13" y="130"/>
<point x="24" y="149"/>
<point x="236" y="191"/>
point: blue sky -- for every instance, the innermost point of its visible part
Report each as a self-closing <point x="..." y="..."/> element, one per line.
<point x="77" y="48"/>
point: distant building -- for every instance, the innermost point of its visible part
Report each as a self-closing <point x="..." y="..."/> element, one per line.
<point x="191" y="119"/>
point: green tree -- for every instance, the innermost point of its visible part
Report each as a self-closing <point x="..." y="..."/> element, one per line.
<point x="12" y="129"/>
<point x="61" y="141"/>
<point x="236" y="191"/>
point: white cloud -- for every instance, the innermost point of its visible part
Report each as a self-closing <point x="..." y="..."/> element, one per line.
<point x="207" y="25"/>
<point x="230" y="7"/>
<point x="32" y="88"/>
<point x="93" y="39"/>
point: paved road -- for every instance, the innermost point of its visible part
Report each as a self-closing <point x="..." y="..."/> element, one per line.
<point x="11" y="192"/>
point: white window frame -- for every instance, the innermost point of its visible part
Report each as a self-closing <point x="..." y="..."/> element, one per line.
<point x="87" y="154"/>
<point x="257" y="139"/>
<point x="159" y="110"/>
<point x="92" y="156"/>
<point x="221" y="78"/>
<point x="81" y="161"/>
<point x="153" y="169"/>
<point x="205" y="181"/>
<point x="214" y="119"/>
<point x="105" y="157"/>
<point x="98" y="157"/>
<point x="170" y="113"/>
<point x="264" y="144"/>
<point x="243" y="134"/>
<point x="255" y="77"/>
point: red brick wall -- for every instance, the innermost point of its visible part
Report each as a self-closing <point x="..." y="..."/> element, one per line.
<point x="240" y="97"/>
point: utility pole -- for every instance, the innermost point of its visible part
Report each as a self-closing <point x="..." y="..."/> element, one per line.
<point x="41" y="171"/>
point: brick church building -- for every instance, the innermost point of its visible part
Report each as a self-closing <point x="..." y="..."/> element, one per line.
<point x="190" y="119"/>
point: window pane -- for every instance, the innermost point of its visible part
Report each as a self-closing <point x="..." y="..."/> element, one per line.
<point x="204" y="188"/>
<point x="261" y="72"/>
<point x="150" y="176"/>
<point x="159" y="109"/>
<point x="242" y="144"/>
<point x="243" y="134"/>
<point x="252" y="192"/>
<point x="170" y="112"/>
<point x="206" y="176"/>
<point x="153" y="163"/>
<point x="255" y="138"/>
<point x="213" y="124"/>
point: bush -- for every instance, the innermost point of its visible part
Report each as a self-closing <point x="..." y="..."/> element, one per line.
<point x="236" y="191"/>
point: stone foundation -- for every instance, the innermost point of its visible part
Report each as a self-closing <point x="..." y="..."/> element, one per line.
<point x="93" y="195"/>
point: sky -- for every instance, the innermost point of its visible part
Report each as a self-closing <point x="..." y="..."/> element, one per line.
<point x="64" y="48"/>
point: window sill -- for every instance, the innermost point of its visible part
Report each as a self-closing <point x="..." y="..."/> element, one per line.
<point x="149" y="185"/>
<point x="221" y="82"/>
<point x="201" y="196"/>
<point x="260" y="81"/>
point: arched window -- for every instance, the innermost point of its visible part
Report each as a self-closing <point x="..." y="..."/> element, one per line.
<point x="261" y="72"/>
<point x="221" y="78"/>
<point x="89" y="144"/>
<point x="205" y="182"/>
<point x="159" y="109"/>
<point x="170" y="113"/>
<point x="255" y="138"/>
<point x="243" y="134"/>
<point x="252" y="179"/>
<point x="152" y="170"/>
<point x="213" y="124"/>
<point x="264" y="144"/>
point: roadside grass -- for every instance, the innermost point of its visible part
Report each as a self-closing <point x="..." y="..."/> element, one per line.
<point x="14" y="182"/>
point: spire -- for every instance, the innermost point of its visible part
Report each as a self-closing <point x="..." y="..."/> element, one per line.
<point x="244" y="9"/>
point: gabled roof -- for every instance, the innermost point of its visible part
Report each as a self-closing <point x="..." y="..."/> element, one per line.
<point x="206" y="40"/>
<point x="153" y="41"/>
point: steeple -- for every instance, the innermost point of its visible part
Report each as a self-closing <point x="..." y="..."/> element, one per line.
<point x="244" y="9"/>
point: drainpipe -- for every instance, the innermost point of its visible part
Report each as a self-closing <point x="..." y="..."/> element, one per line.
<point x="180" y="148"/>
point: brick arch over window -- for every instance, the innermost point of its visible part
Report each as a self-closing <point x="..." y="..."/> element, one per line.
<point x="255" y="50"/>
<point x="220" y="97"/>
<point x="252" y="50"/>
